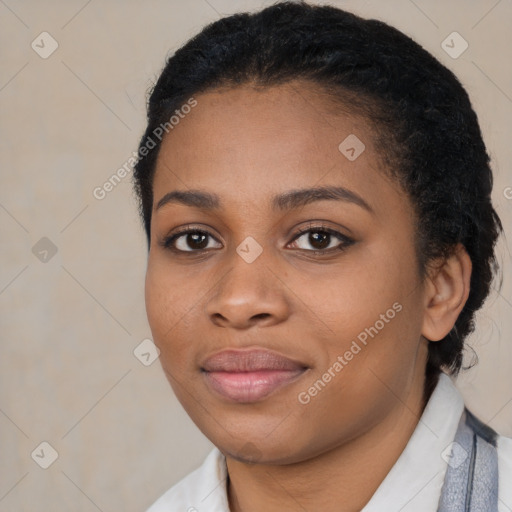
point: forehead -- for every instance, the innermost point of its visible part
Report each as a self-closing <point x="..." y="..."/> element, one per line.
<point x="250" y="143"/>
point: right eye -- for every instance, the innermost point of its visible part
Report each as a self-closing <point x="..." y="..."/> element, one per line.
<point x="189" y="240"/>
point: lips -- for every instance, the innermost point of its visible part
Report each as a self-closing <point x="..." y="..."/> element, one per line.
<point x="247" y="376"/>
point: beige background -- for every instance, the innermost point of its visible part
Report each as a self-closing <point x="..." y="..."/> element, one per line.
<point x="70" y="325"/>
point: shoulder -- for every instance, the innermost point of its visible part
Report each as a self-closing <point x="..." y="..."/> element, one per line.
<point x="203" y="487"/>
<point x="504" y="447"/>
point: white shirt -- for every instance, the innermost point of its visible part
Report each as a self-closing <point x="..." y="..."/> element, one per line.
<point x="409" y="486"/>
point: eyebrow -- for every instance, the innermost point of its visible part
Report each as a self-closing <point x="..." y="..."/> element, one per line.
<point x="285" y="201"/>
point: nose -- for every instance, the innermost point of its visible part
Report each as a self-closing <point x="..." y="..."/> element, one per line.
<point x="248" y="294"/>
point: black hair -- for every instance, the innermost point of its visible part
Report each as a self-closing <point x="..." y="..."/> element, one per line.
<point x="426" y="128"/>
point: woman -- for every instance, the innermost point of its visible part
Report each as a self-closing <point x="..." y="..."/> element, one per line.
<point x="317" y="200"/>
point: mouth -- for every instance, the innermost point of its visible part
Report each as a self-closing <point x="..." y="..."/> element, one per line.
<point x="247" y="376"/>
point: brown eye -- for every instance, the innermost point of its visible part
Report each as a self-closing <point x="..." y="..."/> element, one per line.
<point x="196" y="240"/>
<point x="321" y="240"/>
<point x="189" y="241"/>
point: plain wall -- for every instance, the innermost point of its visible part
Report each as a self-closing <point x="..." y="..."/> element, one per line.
<point x="70" y="325"/>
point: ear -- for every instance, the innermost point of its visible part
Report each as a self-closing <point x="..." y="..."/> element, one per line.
<point x="446" y="291"/>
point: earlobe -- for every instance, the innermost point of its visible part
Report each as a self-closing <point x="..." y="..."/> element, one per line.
<point x="446" y="292"/>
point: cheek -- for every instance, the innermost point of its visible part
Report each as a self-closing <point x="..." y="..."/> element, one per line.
<point x="159" y="299"/>
<point x="169" y="308"/>
<point x="354" y="296"/>
<point x="374" y="309"/>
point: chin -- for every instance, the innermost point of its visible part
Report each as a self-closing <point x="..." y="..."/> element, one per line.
<point x="277" y="451"/>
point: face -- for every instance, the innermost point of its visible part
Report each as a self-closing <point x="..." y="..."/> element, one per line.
<point x="288" y="320"/>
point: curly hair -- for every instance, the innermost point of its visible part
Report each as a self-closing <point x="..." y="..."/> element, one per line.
<point x="425" y="127"/>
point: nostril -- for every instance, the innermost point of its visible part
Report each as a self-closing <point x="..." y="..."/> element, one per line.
<point x="261" y="315"/>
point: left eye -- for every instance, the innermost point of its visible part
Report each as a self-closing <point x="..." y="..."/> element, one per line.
<point x="322" y="240"/>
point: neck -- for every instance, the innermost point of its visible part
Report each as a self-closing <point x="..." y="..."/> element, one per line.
<point x="348" y="474"/>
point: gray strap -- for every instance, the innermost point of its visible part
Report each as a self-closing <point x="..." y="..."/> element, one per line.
<point x="471" y="481"/>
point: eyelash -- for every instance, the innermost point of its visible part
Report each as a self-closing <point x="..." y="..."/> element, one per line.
<point x="345" y="241"/>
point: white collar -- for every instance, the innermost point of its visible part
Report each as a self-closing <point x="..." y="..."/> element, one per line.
<point x="415" y="481"/>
